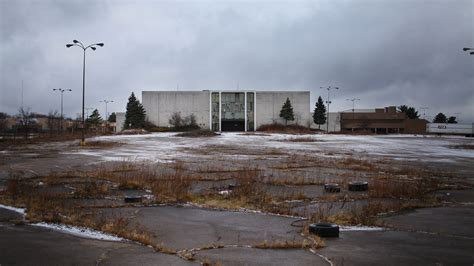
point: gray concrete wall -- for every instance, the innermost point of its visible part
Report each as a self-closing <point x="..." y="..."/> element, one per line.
<point x="119" y="121"/>
<point x="160" y="105"/>
<point x="269" y="104"/>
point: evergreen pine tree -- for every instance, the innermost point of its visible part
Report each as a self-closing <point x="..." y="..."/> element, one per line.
<point x="319" y="114"/>
<point x="287" y="111"/>
<point x="135" y="115"/>
<point x="112" y="117"/>
<point x="452" y="120"/>
<point x="410" y="112"/>
<point x="440" y="118"/>
<point x="94" y="118"/>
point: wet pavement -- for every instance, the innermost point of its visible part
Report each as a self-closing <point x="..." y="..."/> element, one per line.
<point x="433" y="236"/>
<point x="32" y="245"/>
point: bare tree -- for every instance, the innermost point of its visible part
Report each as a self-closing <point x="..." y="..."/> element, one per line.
<point x="54" y="121"/>
<point x="25" y="120"/>
<point x="3" y="121"/>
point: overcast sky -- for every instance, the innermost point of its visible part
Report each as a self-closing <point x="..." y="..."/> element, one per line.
<point x="383" y="52"/>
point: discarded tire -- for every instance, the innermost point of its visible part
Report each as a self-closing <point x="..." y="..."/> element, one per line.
<point x="358" y="186"/>
<point x="324" y="229"/>
<point x="133" y="199"/>
<point x="332" y="188"/>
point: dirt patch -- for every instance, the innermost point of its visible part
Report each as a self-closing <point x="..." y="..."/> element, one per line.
<point x="198" y="134"/>
<point x="463" y="146"/>
<point x="288" y="129"/>
<point x="301" y="140"/>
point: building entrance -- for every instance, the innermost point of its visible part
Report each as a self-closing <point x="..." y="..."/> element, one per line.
<point x="233" y="125"/>
<point x="232" y="111"/>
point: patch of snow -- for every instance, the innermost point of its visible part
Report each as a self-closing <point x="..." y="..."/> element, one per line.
<point x="360" y="228"/>
<point x="166" y="147"/>
<point x="21" y="211"/>
<point x="80" y="231"/>
<point x="224" y="192"/>
<point x="148" y="196"/>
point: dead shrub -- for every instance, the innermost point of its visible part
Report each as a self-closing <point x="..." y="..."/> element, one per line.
<point x="174" y="187"/>
<point x="402" y="189"/>
<point x="288" y="129"/>
<point x="92" y="189"/>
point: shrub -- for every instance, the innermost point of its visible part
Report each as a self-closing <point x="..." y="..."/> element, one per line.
<point x="183" y="124"/>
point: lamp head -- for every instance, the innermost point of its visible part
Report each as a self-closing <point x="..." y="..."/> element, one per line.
<point x="69" y="45"/>
<point x="93" y="48"/>
<point x="101" y="44"/>
<point x="75" y="41"/>
<point x="466" y="49"/>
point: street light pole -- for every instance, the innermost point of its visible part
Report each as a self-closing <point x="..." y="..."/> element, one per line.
<point x="328" y="102"/>
<point x="84" y="48"/>
<point x="465" y="49"/>
<point x="424" y="111"/>
<point x="61" y="91"/>
<point x="106" y="114"/>
<point x="87" y="110"/>
<point x="353" y="107"/>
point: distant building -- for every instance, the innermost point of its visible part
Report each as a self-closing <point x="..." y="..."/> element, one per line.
<point x="451" y="129"/>
<point x="380" y="121"/>
<point x="224" y="110"/>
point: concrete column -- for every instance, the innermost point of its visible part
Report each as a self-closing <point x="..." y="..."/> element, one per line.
<point x="210" y="110"/>
<point x="255" y="111"/>
<point x="245" y="112"/>
<point x="220" y="111"/>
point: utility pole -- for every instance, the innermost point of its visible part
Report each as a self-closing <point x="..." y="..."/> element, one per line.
<point x="61" y="91"/>
<point x="106" y="114"/>
<point x="328" y="102"/>
<point x="353" y="107"/>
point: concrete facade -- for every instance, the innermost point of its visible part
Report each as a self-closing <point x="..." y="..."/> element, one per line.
<point x="269" y="103"/>
<point x="160" y="105"/>
<point x="119" y="121"/>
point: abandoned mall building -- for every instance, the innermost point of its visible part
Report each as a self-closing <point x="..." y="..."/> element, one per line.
<point x="247" y="110"/>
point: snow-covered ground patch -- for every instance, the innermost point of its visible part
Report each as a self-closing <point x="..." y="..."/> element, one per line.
<point x="360" y="228"/>
<point x="80" y="231"/>
<point x="166" y="147"/>
<point x="21" y="211"/>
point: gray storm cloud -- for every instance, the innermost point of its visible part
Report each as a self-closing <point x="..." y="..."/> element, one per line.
<point x="383" y="52"/>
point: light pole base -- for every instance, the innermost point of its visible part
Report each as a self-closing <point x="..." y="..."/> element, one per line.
<point x="82" y="143"/>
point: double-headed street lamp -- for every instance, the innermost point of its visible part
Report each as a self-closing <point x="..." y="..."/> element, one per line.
<point x="106" y="114"/>
<point x="465" y="49"/>
<point x="93" y="47"/>
<point x="61" y="91"/>
<point x="353" y="106"/>
<point x="328" y="102"/>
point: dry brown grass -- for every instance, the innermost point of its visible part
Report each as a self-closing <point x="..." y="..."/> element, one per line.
<point x="289" y="129"/>
<point x="92" y="189"/>
<point x="296" y="181"/>
<point x="290" y="244"/>
<point x="396" y="188"/>
<point x="102" y="144"/>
